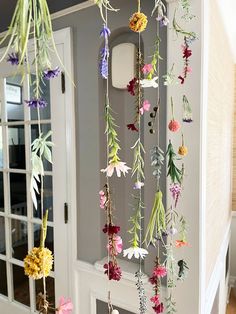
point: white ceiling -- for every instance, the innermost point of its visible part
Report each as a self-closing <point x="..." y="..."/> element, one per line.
<point x="228" y="11"/>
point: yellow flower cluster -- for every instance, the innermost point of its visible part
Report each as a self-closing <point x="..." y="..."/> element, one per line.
<point x="38" y="263"/>
<point x="138" y="22"/>
<point x="183" y="150"/>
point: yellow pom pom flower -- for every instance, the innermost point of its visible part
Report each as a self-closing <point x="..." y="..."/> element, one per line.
<point x="183" y="150"/>
<point x="38" y="263"/>
<point x="138" y="22"/>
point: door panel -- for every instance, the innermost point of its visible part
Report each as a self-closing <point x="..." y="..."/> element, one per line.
<point x="19" y="221"/>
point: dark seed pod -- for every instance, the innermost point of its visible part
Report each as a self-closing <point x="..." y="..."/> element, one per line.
<point x="155" y="109"/>
<point x="152" y="115"/>
<point x="150" y="123"/>
<point x="152" y="131"/>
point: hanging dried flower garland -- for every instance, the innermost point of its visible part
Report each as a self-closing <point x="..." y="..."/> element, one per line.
<point x="31" y="19"/>
<point x="114" y="241"/>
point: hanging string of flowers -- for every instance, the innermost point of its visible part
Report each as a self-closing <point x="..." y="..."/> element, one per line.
<point x="114" y="241"/>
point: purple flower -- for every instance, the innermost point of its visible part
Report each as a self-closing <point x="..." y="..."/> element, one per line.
<point x="36" y="103"/>
<point x="13" y="58"/>
<point x="164" y="21"/>
<point x="105" y="32"/>
<point x="103" y="65"/>
<point x="175" y="190"/>
<point x="187" y="120"/>
<point x="49" y="74"/>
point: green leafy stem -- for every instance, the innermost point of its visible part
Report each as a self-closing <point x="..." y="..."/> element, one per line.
<point x="179" y="30"/>
<point x="135" y="221"/>
<point x="155" y="58"/>
<point x="138" y="162"/>
<point x="173" y="171"/>
<point x="41" y="150"/>
<point x="157" y="222"/>
<point x="113" y="141"/>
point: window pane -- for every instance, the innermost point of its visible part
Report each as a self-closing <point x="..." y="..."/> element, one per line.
<point x="1" y="193"/>
<point x="16" y="142"/>
<point x="20" y="285"/>
<point x="49" y="239"/>
<point x="35" y="134"/>
<point x="18" y="194"/>
<point x="2" y="236"/>
<point x="50" y="291"/>
<point x="14" y="99"/>
<point x="3" y="278"/>
<point x="19" y="239"/>
<point x="47" y="199"/>
<point x="1" y="149"/>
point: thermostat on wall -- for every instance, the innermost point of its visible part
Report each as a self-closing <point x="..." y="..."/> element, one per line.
<point x="123" y="65"/>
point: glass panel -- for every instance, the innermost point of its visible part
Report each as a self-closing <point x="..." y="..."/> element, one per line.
<point x="2" y="236"/>
<point x="18" y="194"/>
<point x="3" y="278"/>
<point x="14" y="99"/>
<point x="16" y="142"/>
<point x="35" y="134"/>
<point x="48" y="199"/>
<point x="1" y="149"/>
<point x="20" y="285"/>
<point x="50" y="291"/>
<point x="1" y="193"/>
<point x="19" y="239"/>
<point x="49" y="239"/>
<point x="45" y="113"/>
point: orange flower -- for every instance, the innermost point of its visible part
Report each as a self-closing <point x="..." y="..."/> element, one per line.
<point x="181" y="243"/>
<point x="138" y="22"/>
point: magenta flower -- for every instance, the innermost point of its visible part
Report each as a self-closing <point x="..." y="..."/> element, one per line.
<point x="132" y="86"/>
<point x="175" y="190"/>
<point x="147" y="68"/>
<point x="159" y="271"/>
<point x="103" y="199"/>
<point x="155" y="299"/>
<point x="146" y="107"/>
<point x="65" y="306"/>
<point x="111" y="229"/>
<point x="158" y="308"/>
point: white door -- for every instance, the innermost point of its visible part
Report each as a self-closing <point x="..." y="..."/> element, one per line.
<point x="19" y="221"/>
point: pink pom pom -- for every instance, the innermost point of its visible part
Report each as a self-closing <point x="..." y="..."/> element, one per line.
<point x="174" y="126"/>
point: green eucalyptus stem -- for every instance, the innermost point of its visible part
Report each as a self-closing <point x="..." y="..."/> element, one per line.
<point x="113" y="141"/>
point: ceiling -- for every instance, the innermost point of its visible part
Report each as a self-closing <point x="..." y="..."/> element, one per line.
<point x="7" y="8"/>
<point x="228" y="9"/>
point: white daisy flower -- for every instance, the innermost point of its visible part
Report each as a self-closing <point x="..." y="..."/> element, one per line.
<point x="119" y="166"/>
<point x="149" y="83"/>
<point x="135" y="252"/>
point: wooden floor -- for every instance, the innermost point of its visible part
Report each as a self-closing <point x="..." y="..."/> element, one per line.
<point x="231" y="308"/>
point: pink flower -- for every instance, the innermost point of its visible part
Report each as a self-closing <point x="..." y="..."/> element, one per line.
<point x="158" y="308"/>
<point x="155" y="299"/>
<point x="115" y="244"/>
<point x="147" y="68"/>
<point x="146" y="107"/>
<point x="159" y="271"/>
<point x="188" y="69"/>
<point x="102" y="199"/>
<point x="65" y="306"/>
<point x="174" y="126"/>
<point x="119" y="166"/>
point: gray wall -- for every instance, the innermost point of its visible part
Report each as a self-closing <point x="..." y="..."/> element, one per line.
<point x="86" y="25"/>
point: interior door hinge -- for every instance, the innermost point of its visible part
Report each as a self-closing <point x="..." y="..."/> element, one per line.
<point x="66" y="213"/>
<point x="63" y="83"/>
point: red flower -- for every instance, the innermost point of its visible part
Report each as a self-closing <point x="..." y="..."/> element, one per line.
<point x="181" y="79"/>
<point x="131" y="86"/>
<point x="113" y="271"/>
<point x="174" y="126"/>
<point x="181" y="243"/>
<point x="187" y="53"/>
<point x="158" y="308"/>
<point x="132" y="127"/>
<point x="153" y="280"/>
<point x="111" y="229"/>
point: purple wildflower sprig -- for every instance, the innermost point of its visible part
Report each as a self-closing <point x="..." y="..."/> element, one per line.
<point x="175" y="190"/>
<point x="104" y="53"/>
<point x="13" y="58"/>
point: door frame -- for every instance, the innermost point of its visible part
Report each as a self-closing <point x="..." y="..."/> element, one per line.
<point x="63" y="38"/>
